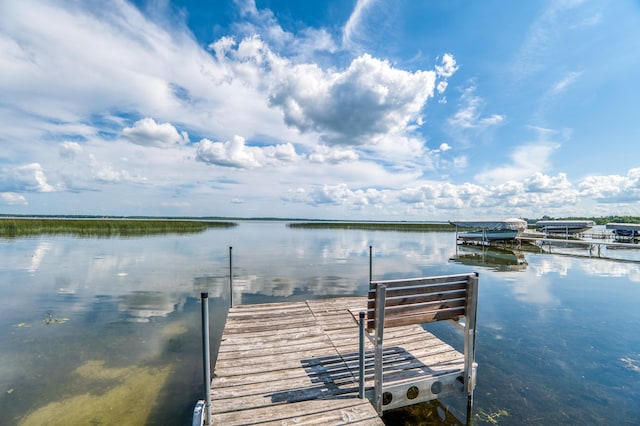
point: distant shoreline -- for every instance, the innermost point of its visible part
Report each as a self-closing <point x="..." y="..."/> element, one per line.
<point x="377" y="226"/>
<point x="113" y="227"/>
<point x="601" y="220"/>
<point x="145" y="225"/>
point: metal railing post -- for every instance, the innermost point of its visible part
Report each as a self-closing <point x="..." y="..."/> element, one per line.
<point x="206" y="356"/>
<point x="230" y="276"/>
<point x="361" y="357"/>
<point x="470" y="343"/>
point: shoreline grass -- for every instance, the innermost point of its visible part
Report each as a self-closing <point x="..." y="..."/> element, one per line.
<point x="377" y="226"/>
<point x="104" y="227"/>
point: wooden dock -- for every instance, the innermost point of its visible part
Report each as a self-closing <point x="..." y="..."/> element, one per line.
<point x="297" y="363"/>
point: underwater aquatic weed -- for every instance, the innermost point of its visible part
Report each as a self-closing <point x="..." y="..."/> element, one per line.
<point x="50" y="319"/>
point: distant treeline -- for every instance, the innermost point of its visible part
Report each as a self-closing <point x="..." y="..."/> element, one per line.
<point x="377" y="226"/>
<point x="436" y="227"/>
<point x="603" y="220"/>
<point x="104" y="227"/>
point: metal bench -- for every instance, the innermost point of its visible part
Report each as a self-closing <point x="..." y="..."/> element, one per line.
<point x="395" y="303"/>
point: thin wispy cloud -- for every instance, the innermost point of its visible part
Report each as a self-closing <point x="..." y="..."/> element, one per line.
<point x="565" y="82"/>
<point x="351" y="30"/>
<point x="470" y="119"/>
<point x="542" y="36"/>
<point x="526" y="160"/>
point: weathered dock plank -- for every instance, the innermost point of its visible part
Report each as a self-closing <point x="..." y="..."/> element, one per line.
<point x="320" y="412"/>
<point x="297" y="363"/>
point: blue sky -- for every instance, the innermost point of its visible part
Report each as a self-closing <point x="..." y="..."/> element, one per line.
<point x="370" y="109"/>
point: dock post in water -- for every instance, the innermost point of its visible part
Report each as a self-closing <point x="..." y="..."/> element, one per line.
<point x="206" y="356"/>
<point x="370" y="263"/>
<point x="470" y="346"/>
<point x="230" y="277"/>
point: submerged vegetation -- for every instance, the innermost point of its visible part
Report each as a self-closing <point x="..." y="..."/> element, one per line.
<point x="129" y="398"/>
<point x="105" y="227"/>
<point x="378" y="226"/>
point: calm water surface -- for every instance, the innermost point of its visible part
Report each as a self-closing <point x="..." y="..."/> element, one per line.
<point x="106" y="331"/>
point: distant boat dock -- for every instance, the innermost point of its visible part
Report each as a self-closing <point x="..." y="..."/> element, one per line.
<point x="559" y="235"/>
<point x="556" y="236"/>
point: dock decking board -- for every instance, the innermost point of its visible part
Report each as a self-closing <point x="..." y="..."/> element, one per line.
<point x="297" y="363"/>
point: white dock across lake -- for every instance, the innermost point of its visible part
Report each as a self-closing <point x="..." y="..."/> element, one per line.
<point x="297" y="363"/>
<point x="593" y="248"/>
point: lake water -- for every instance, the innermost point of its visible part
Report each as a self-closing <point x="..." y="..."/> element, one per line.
<point x="107" y="330"/>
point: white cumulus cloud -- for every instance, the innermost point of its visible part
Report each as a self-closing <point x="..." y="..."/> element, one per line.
<point x="332" y="155"/>
<point x="368" y="99"/>
<point x="448" y="67"/>
<point x="147" y="132"/>
<point x="235" y="153"/>
<point x="543" y="183"/>
<point x="613" y="188"/>
<point x="341" y="194"/>
<point x="444" y="147"/>
<point x="11" y="198"/>
<point x="25" y="178"/>
<point x="69" y="149"/>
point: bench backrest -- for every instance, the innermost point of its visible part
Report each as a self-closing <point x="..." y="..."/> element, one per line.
<point x="422" y="300"/>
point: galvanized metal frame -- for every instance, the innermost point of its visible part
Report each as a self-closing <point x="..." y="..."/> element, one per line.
<point x="430" y="388"/>
<point x="381" y="295"/>
<point x="206" y="357"/>
<point x="424" y="390"/>
<point x="361" y="356"/>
